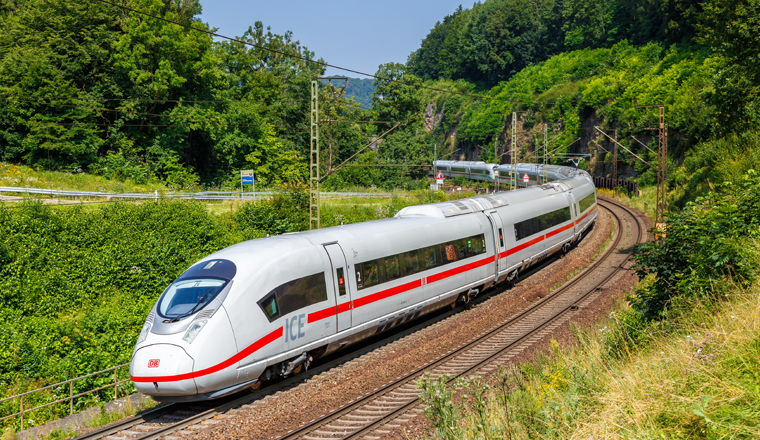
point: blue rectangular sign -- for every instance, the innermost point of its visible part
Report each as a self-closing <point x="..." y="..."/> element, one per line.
<point x="246" y="180"/>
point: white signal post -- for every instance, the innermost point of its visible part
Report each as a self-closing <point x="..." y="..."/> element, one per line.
<point x="438" y="179"/>
<point x="246" y="178"/>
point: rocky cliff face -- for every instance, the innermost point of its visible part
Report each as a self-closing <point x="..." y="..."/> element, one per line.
<point x="432" y="117"/>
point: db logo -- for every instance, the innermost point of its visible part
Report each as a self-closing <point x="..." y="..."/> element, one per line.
<point x="153" y="363"/>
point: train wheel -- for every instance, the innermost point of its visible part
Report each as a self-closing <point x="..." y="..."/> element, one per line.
<point x="298" y="369"/>
<point x="256" y="386"/>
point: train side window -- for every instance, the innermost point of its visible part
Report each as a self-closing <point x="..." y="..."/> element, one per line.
<point x="464" y="248"/>
<point x="269" y="306"/>
<point x="428" y="257"/>
<point x="392" y="271"/>
<point x="501" y="238"/>
<point x="477" y="245"/>
<point x="302" y="292"/>
<point x="587" y="201"/>
<point x="411" y="262"/>
<point x="544" y="221"/>
<point x="369" y="274"/>
<point x="341" y="281"/>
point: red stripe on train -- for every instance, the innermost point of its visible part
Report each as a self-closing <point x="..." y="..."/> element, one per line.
<point x="256" y="346"/>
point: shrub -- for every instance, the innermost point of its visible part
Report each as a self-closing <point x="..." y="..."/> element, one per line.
<point x="705" y="241"/>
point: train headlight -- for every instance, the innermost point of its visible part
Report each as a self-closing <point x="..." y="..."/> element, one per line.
<point x="193" y="330"/>
<point x="144" y="332"/>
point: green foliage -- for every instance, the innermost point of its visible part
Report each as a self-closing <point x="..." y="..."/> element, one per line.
<point x="440" y="408"/>
<point x="285" y="212"/>
<point x="111" y="92"/>
<point x="76" y="284"/>
<point x="496" y="39"/>
<point x="396" y="98"/>
<point x="599" y="84"/>
<point x="705" y="241"/>
<point x="731" y="28"/>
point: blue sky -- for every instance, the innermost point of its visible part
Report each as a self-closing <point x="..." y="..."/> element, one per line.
<point x="357" y="34"/>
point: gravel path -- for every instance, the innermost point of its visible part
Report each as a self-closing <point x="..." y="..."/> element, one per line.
<point x="277" y="414"/>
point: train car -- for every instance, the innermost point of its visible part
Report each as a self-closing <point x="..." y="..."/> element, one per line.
<point x="267" y="308"/>
<point x="471" y="170"/>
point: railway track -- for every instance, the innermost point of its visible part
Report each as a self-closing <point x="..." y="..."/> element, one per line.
<point x="366" y="416"/>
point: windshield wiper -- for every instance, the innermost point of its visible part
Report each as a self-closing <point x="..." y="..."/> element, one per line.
<point x="191" y="311"/>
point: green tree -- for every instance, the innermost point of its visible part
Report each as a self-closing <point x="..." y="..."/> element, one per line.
<point x="732" y="29"/>
<point x="273" y="162"/>
<point x="397" y="96"/>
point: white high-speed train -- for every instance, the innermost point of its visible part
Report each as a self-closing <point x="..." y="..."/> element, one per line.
<point x="485" y="172"/>
<point x="266" y="308"/>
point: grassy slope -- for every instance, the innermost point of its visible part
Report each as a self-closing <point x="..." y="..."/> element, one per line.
<point x="26" y="177"/>
<point x="698" y="381"/>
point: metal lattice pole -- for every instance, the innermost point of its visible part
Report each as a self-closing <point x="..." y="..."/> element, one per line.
<point x="314" y="222"/>
<point x="513" y="154"/>
<point x="614" y="159"/>
<point x="545" y="177"/>
<point x="662" y="167"/>
<point x="662" y="159"/>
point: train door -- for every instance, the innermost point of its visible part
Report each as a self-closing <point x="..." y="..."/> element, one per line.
<point x="573" y="207"/>
<point x="340" y="271"/>
<point x="498" y="229"/>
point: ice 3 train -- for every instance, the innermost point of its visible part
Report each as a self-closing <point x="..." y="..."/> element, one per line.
<point x="266" y="308"/>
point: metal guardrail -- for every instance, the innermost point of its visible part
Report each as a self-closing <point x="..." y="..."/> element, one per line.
<point x="70" y="398"/>
<point x="204" y="195"/>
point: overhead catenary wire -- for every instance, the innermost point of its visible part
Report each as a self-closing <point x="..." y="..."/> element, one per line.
<point x="321" y="63"/>
<point x="179" y="101"/>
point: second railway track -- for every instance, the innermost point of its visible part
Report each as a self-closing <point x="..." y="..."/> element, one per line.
<point x="366" y="416"/>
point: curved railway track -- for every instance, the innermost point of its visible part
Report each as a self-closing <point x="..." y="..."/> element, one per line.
<point x="398" y="401"/>
<point x="364" y="417"/>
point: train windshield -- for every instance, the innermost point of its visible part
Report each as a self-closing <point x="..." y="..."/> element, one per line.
<point x="187" y="296"/>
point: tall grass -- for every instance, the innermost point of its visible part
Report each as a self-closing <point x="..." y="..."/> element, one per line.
<point x="693" y="376"/>
<point x="76" y="180"/>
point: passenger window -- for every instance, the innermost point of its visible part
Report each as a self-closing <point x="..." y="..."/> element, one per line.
<point x="269" y="306"/>
<point x="428" y="257"/>
<point x="294" y="295"/>
<point x="411" y="263"/>
<point x="463" y="248"/>
<point x="369" y="273"/>
<point x="477" y="245"/>
<point x="341" y="281"/>
<point x="391" y="268"/>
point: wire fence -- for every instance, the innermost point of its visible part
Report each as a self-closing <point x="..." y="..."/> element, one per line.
<point x="204" y="195"/>
<point x="67" y="397"/>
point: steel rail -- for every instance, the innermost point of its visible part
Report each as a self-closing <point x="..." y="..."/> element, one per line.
<point x="295" y="380"/>
<point x="156" y="413"/>
<point x="546" y="324"/>
<point x="415" y="374"/>
<point x="271" y="389"/>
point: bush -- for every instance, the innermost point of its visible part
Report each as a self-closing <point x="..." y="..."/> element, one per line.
<point x="703" y="242"/>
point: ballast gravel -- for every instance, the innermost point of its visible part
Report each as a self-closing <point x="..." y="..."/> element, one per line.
<point x="277" y="414"/>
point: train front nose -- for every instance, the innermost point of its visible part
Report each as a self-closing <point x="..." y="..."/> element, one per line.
<point x="163" y="370"/>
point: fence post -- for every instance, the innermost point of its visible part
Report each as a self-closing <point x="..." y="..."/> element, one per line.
<point x="115" y="389"/>
<point x="71" y="397"/>
<point x="22" y="413"/>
